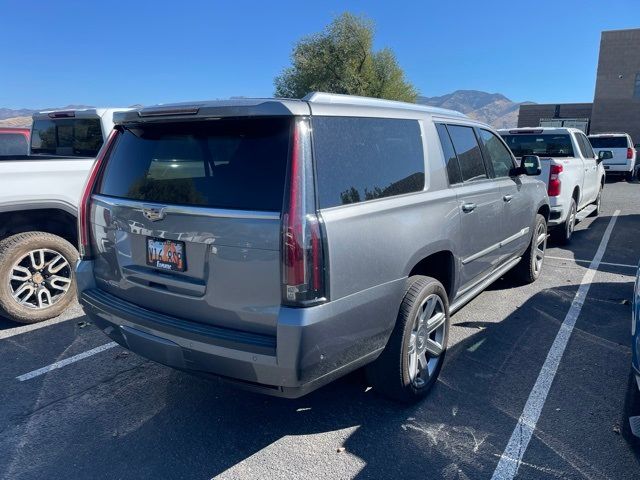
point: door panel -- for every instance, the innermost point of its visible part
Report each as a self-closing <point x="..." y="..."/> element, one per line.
<point x="481" y="229"/>
<point x="516" y="221"/>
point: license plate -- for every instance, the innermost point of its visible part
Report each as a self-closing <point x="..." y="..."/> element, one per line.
<point x="166" y="254"/>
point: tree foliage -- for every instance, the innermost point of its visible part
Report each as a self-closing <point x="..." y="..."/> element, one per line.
<point x="341" y="59"/>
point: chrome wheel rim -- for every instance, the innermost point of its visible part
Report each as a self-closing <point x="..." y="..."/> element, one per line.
<point x="571" y="222"/>
<point x="540" y="247"/>
<point x="40" y="279"/>
<point x="426" y="342"/>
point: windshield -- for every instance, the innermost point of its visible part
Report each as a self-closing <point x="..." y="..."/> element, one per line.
<point x="543" y="145"/>
<point x="608" y="142"/>
<point x="80" y="137"/>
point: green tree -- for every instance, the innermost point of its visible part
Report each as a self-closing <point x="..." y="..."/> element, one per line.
<point x="341" y="59"/>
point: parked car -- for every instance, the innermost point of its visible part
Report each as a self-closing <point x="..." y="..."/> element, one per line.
<point x="14" y="141"/>
<point x="621" y="147"/>
<point x="39" y="194"/>
<point x="394" y="216"/>
<point x="573" y="173"/>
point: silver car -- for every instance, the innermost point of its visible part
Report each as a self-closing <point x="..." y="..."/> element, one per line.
<point x="280" y="244"/>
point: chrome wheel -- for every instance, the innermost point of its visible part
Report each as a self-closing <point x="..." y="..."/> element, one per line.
<point x="426" y="343"/>
<point x="40" y="279"/>
<point x="540" y="240"/>
<point x="571" y="221"/>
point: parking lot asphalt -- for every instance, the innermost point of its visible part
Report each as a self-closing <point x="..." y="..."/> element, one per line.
<point x="118" y="416"/>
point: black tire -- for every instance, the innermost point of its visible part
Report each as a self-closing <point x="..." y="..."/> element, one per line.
<point x="597" y="203"/>
<point x="562" y="233"/>
<point x="630" y="176"/>
<point x="528" y="270"/>
<point x="17" y="247"/>
<point x="389" y="373"/>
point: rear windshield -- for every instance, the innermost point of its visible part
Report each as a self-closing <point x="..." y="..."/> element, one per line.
<point x="543" y="145"/>
<point x="608" y="142"/>
<point x="13" y="144"/>
<point x="231" y="163"/>
<point x="79" y="137"/>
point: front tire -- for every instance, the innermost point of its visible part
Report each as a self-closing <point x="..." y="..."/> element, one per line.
<point x="410" y="363"/>
<point x="598" y="204"/>
<point x="37" y="278"/>
<point x="563" y="233"/>
<point x="530" y="267"/>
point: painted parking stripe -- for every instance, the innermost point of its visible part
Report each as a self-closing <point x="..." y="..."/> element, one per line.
<point x="65" y="362"/>
<point x="511" y="458"/>
<point x="577" y="260"/>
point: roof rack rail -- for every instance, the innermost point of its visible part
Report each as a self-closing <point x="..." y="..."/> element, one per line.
<point x="336" y="98"/>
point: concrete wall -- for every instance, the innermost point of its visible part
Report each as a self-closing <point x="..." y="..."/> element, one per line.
<point x="614" y="107"/>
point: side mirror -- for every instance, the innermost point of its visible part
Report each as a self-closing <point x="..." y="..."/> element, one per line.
<point x="604" y="155"/>
<point x="530" y="165"/>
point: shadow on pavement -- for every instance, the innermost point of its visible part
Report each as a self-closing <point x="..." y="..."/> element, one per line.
<point x="153" y="422"/>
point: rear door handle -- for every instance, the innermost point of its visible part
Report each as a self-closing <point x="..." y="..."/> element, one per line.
<point x="507" y="198"/>
<point x="468" y="207"/>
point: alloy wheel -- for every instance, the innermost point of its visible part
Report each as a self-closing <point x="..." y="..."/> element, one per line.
<point x="426" y="343"/>
<point x="540" y="248"/>
<point x="40" y="278"/>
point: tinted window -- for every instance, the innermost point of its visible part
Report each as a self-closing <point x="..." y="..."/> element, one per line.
<point x="13" y="144"/>
<point x="67" y="136"/>
<point x="453" y="167"/>
<point x="468" y="151"/>
<point x="608" y="142"/>
<point x="585" y="146"/>
<point x="498" y="154"/>
<point x="360" y="159"/>
<point x="543" y="145"/>
<point x="237" y="164"/>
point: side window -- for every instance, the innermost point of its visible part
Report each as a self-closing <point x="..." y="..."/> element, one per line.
<point x="359" y="159"/>
<point x="468" y="151"/>
<point x="499" y="155"/>
<point x="585" y="146"/>
<point x="453" y="167"/>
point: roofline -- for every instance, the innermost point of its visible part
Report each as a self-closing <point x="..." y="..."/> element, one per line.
<point x="354" y="100"/>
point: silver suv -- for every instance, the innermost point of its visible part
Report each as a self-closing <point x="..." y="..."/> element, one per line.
<point x="280" y="244"/>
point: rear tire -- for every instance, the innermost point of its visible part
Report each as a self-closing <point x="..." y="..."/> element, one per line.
<point x="562" y="233"/>
<point x="408" y="366"/>
<point x="528" y="270"/>
<point x="630" y="176"/>
<point x="37" y="277"/>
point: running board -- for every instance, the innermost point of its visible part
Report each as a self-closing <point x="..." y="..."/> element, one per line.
<point x="477" y="289"/>
<point x="585" y="212"/>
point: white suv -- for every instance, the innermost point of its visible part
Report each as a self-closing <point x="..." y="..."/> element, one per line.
<point x="621" y="147"/>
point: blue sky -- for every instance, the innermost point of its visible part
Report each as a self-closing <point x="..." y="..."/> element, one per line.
<point x="120" y="53"/>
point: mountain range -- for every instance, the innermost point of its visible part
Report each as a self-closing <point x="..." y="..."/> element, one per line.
<point x="492" y="108"/>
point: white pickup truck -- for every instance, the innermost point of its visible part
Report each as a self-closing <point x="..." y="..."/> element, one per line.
<point x="572" y="171"/>
<point x="39" y="194"/>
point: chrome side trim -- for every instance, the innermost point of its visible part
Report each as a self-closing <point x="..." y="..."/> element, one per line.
<point x="187" y="210"/>
<point x="470" y="293"/>
<point x="496" y="246"/>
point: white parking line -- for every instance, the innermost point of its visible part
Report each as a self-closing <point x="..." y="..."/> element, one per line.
<point x="65" y="362"/>
<point x="577" y="260"/>
<point x="514" y="451"/>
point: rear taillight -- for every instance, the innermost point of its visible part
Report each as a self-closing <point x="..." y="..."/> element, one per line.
<point x="84" y="208"/>
<point x="303" y="273"/>
<point x="629" y="153"/>
<point x="554" y="181"/>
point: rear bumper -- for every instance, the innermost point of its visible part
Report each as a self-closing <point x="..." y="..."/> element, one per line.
<point x="312" y="347"/>
<point x="619" y="167"/>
